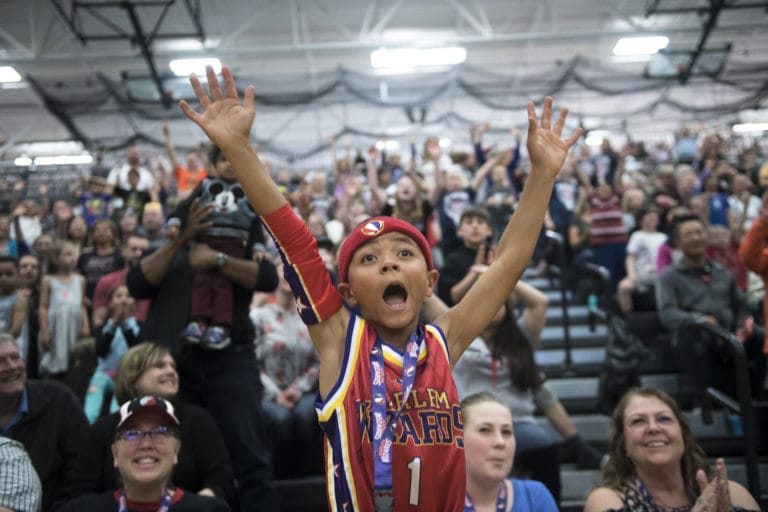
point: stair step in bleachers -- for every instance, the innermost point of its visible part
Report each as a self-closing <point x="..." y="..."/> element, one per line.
<point x="555" y="297"/>
<point x="577" y="315"/>
<point x="580" y="335"/>
<point x="585" y="361"/>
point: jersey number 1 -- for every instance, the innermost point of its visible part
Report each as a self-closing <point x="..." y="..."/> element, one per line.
<point x="415" y="467"/>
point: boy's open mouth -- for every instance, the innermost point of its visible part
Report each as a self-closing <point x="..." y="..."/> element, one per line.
<point x="395" y="295"/>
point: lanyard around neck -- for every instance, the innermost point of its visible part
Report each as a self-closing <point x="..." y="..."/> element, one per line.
<point x="383" y="430"/>
<point x="165" y="502"/>
<point x="501" y="500"/>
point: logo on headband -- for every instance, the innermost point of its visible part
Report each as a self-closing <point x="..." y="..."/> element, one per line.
<point x="372" y="228"/>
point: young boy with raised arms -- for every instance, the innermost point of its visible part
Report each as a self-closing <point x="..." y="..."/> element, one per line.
<point x="387" y="401"/>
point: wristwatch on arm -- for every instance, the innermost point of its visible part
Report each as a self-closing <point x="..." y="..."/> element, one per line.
<point x="221" y="259"/>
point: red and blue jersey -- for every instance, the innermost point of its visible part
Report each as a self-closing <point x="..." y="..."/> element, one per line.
<point x="428" y="472"/>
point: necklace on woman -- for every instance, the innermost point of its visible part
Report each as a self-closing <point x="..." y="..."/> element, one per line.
<point x="647" y="498"/>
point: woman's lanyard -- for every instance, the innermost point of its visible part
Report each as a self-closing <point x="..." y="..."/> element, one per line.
<point x="165" y="502"/>
<point x="383" y="430"/>
<point x="501" y="500"/>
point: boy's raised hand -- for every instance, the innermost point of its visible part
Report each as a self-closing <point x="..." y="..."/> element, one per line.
<point x="546" y="147"/>
<point x="223" y="118"/>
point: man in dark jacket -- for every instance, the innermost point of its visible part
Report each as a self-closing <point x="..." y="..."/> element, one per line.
<point x="224" y="379"/>
<point x="44" y="416"/>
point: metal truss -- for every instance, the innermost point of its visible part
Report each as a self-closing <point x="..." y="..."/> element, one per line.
<point x="710" y="11"/>
<point x="105" y="13"/>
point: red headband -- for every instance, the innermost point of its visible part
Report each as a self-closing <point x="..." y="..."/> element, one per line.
<point x="370" y="229"/>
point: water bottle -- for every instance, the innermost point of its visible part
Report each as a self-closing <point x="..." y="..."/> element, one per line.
<point x="592" y="312"/>
<point x="735" y="427"/>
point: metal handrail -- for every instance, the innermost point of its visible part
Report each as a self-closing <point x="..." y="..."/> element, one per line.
<point x="560" y="241"/>
<point x="744" y="408"/>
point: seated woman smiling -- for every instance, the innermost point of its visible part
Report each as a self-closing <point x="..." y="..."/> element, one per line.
<point x="489" y="448"/>
<point x="656" y="465"/>
<point x="145" y="450"/>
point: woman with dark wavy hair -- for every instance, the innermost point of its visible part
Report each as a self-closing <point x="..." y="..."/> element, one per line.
<point x="656" y="465"/>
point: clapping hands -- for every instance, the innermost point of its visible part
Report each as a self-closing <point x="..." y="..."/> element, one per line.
<point x="715" y="494"/>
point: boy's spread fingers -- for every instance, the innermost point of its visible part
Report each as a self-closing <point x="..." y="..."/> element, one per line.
<point x="213" y="83"/>
<point x="229" y="82"/>
<point x="531" y="116"/>
<point x="546" y="114"/>
<point x="200" y="94"/>
<point x="248" y="98"/>
<point x="189" y="111"/>
<point x="558" y="129"/>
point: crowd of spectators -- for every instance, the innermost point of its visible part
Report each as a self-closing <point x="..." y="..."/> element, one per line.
<point x="141" y="253"/>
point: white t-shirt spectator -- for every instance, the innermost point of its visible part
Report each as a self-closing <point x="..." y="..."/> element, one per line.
<point x="644" y="247"/>
<point x="736" y="207"/>
<point x="118" y="177"/>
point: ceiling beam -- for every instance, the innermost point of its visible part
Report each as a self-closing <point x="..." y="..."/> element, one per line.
<point x="483" y="15"/>
<point x="709" y="25"/>
<point x="365" y="26"/>
<point x="15" y="42"/>
<point x="469" y="18"/>
<point x="654" y="8"/>
<point x="295" y="8"/>
<point x="345" y="32"/>
<point x="393" y="8"/>
<point x="143" y="42"/>
<point x="543" y="37"/>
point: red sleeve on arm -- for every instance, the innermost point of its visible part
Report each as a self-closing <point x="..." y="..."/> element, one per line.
<point x="316" y="297"/>
<point x="753" y="249"/>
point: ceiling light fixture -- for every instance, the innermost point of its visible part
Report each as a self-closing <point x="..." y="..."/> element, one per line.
<point x="186" y="67"/>
<point x="417" y="57"/>
<point x="640" y="45"/>
<point x="750" y="127"/>
<point x="8" y="75"/>
<point x="41" y="161"/>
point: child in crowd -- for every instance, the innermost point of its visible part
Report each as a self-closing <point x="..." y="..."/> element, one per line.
<point x="94" y="199"/>
<point x="464" y="265"/>
<point x="112" y="341"/>
<point x="388" y="404"/>
<point x="189" y="175"/>
<point x="8" y="246"/>
<point x="132" y="198"/>
<point x="607" y="233"/>
<point x="234" y="228"/>
<point x="408" y="201"/>
<point x="63" y="319"/>
<point x="77" y="231"/>
<point x="636" y="290"/>
<point x="13" y="306"/>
